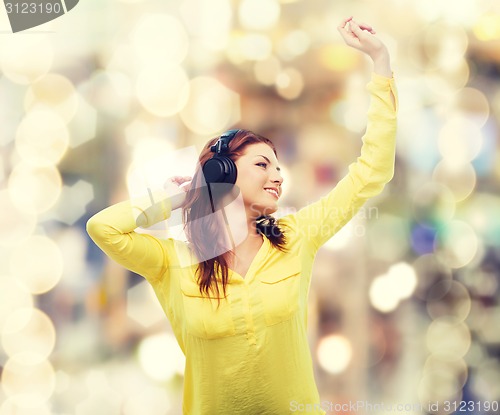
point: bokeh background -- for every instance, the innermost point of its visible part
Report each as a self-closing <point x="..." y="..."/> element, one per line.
<point x="404" y="303"/>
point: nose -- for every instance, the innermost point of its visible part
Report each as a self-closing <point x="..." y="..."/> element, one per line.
<point x="277" y="178"/>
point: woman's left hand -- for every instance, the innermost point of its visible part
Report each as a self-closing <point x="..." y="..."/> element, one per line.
<point x="362" y="37"/>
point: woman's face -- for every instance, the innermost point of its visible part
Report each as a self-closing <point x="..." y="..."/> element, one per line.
<point x="258" y="170"/>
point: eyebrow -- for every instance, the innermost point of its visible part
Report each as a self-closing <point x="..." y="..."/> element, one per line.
<point x="269" y="161"/>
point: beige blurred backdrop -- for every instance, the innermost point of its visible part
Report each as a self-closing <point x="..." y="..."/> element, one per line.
<point x="404" y="306"/>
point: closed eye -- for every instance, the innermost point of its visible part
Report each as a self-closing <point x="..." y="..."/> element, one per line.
<point x="262" y="164"/>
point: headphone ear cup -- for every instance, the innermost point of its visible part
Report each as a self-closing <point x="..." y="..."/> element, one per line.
<point x="231" y="172"/>
<point x="220" y="169"/>
<point x="213" y="170"/>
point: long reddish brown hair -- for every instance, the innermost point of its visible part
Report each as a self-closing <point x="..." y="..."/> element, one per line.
<point x="204" y="230"/>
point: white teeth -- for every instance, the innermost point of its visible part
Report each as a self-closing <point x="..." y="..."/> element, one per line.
<point x="274" y="192"/>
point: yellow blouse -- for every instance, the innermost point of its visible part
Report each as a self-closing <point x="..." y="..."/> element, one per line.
<point x="251" y="355"/>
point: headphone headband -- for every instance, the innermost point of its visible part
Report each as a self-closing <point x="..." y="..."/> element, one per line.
<point x="222" y="144"/>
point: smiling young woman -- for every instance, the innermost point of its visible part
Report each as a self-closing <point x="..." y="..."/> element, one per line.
<point x="236" y="293"/>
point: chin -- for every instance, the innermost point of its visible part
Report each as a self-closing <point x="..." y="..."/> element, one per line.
<point x="263" y="210"/>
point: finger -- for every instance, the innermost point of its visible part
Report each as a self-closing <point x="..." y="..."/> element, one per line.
<point x="345" y="30"/>
<point x="344" y="23"/>
<point x="354" y="27"/>
<point x="366" y="27"/>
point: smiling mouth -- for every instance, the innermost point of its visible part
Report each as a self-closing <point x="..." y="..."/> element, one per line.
<point x="272" y="192"/>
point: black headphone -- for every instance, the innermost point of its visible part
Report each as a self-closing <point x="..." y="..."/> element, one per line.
<point x="220" y="168"/>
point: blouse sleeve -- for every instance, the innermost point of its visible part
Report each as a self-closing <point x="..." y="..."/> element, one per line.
<point x="366" y="177"/>
<point x="113" y="230"/>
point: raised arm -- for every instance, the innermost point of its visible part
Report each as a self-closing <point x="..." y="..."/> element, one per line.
<point x="367" y="177"/>
<point x="113" y="230"/>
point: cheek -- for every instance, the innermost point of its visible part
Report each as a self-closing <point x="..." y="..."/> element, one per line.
<point x="251" y="179"/>
<point x="251" y="185"/>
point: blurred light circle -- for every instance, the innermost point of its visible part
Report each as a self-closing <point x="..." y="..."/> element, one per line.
<point x="430" y="271"/>
<point x="254" y="46"/>
<point x="460" y="140"/>
<point x="383" y="296"/>
<point x="44" y="269"/>
<point x="29" y="330"/>
<point x="42" y="138"/>
<point x="449" y="299"/>
<point x="474" y="104"/>
<point x="403" y="279"/>
<point x="438" y="387"/>
<point x="448" y="338"/>
<point x="159" y="39"/>
<point x="438" y="46"/>
<point x="13" y="296"/>
<point x="456" y="244"/>
<point x="15" y="225"/>
<point x="422" y="239"/>
<point x="294" y="44"/>
<point x="460" y="179"/>
<point x="289" y="83"/>
<point x="487" y="27"/>
<point x="433" y="204"/>
<point x="387" y="290"/>
<point x="387" y="237"/>
<point x="25" y="58"/>
<point x="338" y="58"/>
<point x="334" y="353"/>
<point x="160" y="356"/>
<point x="147" y="148"/>
<point x="266" y="71"/>
<point x="456" y="367"/>
<point x="121" y="84"/>
<point x="481" y="212"/>
<point x="259" y="14"/>
<point x="208" y="23"/>
<point x="445" y="44"/>
<point x="34" y="189"/>
<point x="28" y="379"/>
<point x="54" y="91"/>
<point x="448" y="80"/>
<point x="211" y="106"/>
<point x="163" y="91"/>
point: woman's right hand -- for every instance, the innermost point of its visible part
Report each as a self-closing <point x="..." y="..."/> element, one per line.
<point x="176" y="188"/>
